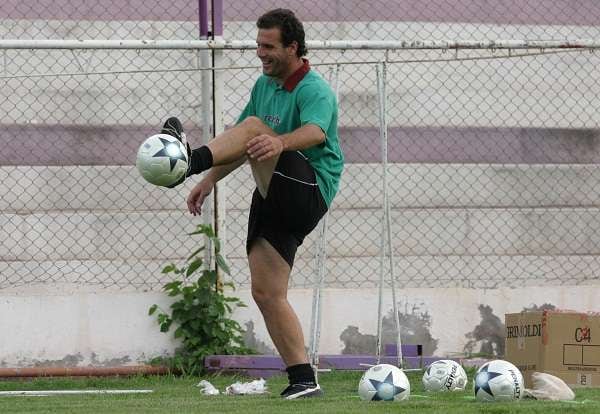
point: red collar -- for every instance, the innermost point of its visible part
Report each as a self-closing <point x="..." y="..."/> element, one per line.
<point x="295" y="78"/>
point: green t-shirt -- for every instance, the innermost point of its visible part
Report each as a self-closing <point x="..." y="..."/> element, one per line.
<point x="311" y="102"/>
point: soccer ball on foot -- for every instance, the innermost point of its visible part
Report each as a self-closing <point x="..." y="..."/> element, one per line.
<point x="498" y="380"/>
<point x="444" y="375"/>
<point x="384" y="382"/>
<point x="162" y="160"/>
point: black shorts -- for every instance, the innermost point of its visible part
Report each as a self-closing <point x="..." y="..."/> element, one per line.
<point x="292" y="209"/>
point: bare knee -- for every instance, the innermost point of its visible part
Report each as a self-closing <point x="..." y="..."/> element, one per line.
<point x="254" y="126"/>
<point x="266" y="299"/>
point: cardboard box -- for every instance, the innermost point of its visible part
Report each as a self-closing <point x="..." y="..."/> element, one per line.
<point x="564" y="344"/>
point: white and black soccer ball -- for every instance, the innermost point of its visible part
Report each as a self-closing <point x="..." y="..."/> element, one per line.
<point x="498" y="380"/>
<point x="444" y="375"/>
<point x="384" y="382"/>
<point x="162" y="160"/>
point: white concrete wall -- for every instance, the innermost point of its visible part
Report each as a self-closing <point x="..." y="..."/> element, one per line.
<point x="109" y="329"/>
<point x="80" y="330"/>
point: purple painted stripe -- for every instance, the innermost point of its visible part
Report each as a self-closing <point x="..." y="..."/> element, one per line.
<point x="275" y="362"/>
<point x="546" y="12"/>
<point x="407" y="350"/>
<point x="186" y="10"/>
<point x="53" y="145"/>
<point x="264" y="365"/>
<point x="50" y="145"/>
<point x="517" y="12"/>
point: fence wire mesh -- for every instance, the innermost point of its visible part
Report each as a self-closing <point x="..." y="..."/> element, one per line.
<point x="493" y="175"/>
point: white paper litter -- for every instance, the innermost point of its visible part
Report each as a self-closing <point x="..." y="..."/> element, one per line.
<point x="549" y="387"/>
<point x="242" y="388"/>
<point x="207" y="388"/>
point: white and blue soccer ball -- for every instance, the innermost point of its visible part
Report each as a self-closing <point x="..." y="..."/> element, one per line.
<point x="162" y="160"/>
<point x="384" y="382"/>
<point x="444" y="375"/>
<point x="498" y="380"/>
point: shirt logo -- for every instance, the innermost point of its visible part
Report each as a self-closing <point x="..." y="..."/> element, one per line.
<point x="273" y="119"/>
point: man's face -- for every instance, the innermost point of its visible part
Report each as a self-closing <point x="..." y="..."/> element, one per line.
<point x="276" y="59"/>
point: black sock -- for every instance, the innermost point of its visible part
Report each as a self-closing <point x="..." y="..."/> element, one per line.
<point x="201" y="159"/>
<point x="301" y="374"/>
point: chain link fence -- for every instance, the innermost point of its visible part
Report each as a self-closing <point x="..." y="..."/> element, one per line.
<point x="493" y="173"/>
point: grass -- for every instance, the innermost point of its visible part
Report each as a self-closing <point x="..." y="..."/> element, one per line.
<point x="180" y="395"/>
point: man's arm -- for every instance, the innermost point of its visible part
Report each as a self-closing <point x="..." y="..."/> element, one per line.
<point x="304" y="137"/>
<point x="206" y="185"/>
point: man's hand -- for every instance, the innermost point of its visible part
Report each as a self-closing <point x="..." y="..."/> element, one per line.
<point x="263" y="147"/>
<point x="198" y="194"/>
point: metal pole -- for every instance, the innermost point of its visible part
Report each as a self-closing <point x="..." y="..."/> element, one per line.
<point x="386" y="234"/>
<point x="315" y="322"/>
<point x="206" y="113"/>
<point x="387" y="214"/>
<point x="220" y="191"/>
<point x="203" y="18"/>
<point x="383" y="139"/>
<point x="220" y="43"/>
<point x="320" y="268"/>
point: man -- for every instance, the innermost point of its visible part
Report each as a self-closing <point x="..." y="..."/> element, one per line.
<point x="288" y="132"/>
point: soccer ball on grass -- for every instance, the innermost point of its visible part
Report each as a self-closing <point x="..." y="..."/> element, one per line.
<point x="384" y="382"/>
<point x="498" y="380"/>
<point x="444" y="375"/>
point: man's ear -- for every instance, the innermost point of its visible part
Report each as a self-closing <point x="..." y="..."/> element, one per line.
<point x="293" y="47"/>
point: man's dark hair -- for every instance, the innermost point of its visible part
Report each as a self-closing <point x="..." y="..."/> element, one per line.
<point x="288" y="24"/>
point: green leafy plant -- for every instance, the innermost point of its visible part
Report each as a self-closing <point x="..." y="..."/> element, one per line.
<point x="201" y="311"/>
